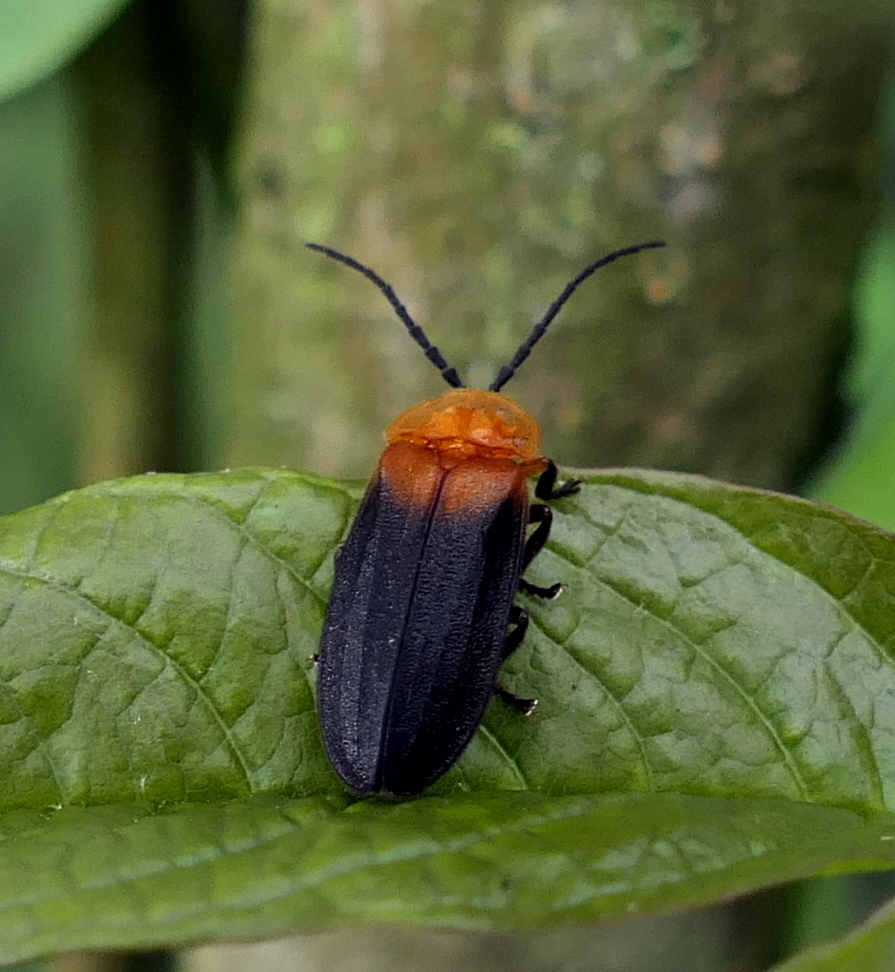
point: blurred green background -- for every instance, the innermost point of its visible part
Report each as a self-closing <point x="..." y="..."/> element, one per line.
<point x="162" y="163"/>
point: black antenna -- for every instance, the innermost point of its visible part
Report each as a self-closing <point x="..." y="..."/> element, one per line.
<point x="539" y="329"/>
<point x="416" y="332"/>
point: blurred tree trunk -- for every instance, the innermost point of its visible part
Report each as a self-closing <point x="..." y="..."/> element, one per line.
<point x="478" y="154"/>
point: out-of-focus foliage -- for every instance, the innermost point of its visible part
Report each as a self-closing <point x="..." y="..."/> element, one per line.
<point x="44" y="262"/>
<point x="870" y="948"/>
<point x="115" y="224"/>
<point x="861" y="475"/>
<point x="861" y="478"/>
<point x="40" y="36"/>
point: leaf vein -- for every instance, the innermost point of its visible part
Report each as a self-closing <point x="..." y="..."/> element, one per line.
<point x="512" y="763"/>
<point x="196" y="686"/>
<point x="617" y="702"/>
<point x="763" y="718"/>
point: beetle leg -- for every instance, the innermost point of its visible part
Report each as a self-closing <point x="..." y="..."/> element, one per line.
<point x="543" y="516"/>
<point x="525" y="706"/>
<point x="546" y="488"/>
<point x="519" y="617"/>
<point x="548" y="593"/>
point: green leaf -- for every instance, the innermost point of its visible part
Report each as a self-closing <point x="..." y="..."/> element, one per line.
<point x="157" y="636"/>
<point x="39" y="36"/>
<point x="869" y="948"/>
<point x="717" y="712"/>
<point x="114" y="877"/>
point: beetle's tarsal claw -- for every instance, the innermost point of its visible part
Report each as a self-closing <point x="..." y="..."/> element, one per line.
<point x="523" y="706"/>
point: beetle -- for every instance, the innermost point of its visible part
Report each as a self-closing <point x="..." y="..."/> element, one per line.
<point x="422" y="612"/>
